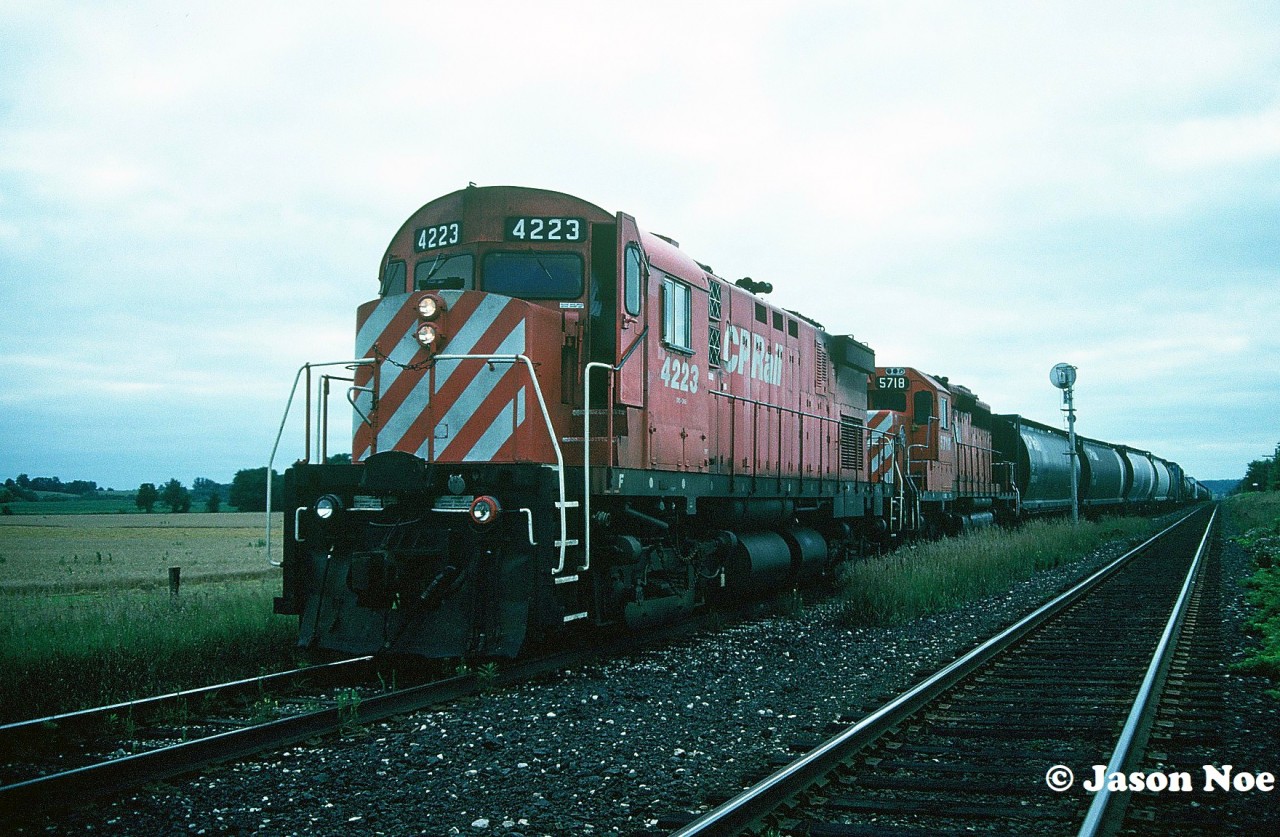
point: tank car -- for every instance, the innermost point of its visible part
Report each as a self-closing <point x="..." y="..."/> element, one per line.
<point x="562" y="420"/>
<point x="1140" y="474"/>
<point x="1103" y="475"/>
<point x="1042" y="463"/>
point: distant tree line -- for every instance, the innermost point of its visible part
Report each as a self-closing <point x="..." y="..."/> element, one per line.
<point x="204" y="494"/>
<point x="247" y="491"/>
<point x="25" y="488"/>
<point x="1263" y="474"/>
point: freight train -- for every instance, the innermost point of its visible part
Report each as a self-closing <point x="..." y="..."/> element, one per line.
<point x="561" y="419"/>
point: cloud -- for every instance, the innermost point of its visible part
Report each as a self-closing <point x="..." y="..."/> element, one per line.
<point x="191" y="207"/>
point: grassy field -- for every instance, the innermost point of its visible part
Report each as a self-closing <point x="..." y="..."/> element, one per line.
<point x="941" y="575"/>
<point x="1257" y="515"/>
<point x="86" y="616"/>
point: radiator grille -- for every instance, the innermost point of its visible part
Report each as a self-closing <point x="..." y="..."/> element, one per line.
<point x="851" y="435"/>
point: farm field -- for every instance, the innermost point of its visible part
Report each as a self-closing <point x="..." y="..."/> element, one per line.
<point x="86" y="616"/>
<point x="90" y="551"/>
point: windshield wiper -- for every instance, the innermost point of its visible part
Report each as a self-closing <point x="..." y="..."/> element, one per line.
<point x="435" y="266"/>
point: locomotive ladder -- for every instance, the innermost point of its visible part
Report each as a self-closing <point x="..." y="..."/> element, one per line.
<point x="586" y="449"/>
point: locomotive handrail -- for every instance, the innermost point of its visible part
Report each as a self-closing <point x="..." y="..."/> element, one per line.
<point x="586" y="457"/>
<point x="899" y="484"/>
<point x="322" y="420"/>
<point x="306" y="367"/>
<point x="351" y="399"/>
<point x="551" y="433"/>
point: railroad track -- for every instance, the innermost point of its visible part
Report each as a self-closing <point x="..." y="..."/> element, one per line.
<point x="114" y="775"/>
<point x="43" y="794"/>
<point x="18" y="734"/>
<point x="77" y="756"/>
<point x="991" y="741"/>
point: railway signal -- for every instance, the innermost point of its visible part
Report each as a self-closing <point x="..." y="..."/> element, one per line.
<point x="1063" y="377"/>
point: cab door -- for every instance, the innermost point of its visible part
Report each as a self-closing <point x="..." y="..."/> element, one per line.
<point x="631" y="358"/>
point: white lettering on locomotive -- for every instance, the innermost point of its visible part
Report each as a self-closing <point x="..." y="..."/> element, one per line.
<point x="748" y="353"/>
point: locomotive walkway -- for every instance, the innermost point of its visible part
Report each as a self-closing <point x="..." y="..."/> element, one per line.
<point x="992" y="740"/>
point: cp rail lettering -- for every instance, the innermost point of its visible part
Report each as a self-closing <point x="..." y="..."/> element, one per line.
<point x="746" y="353"/>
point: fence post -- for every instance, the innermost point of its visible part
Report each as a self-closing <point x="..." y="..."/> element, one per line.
<point x="175" y="578"/>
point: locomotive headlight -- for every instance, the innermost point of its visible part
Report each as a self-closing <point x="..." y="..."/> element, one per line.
<point x="328" y="506"/>
<point x="484" y="510"/>
<point x="430" y="306"/>
<point x="429" y="336"/>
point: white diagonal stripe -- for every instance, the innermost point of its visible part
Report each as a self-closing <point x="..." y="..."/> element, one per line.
<point x="499" y="431"/>
<point x="483" y="383"/>
<point x="464" y="342"/>
<point x="378" y="322"/>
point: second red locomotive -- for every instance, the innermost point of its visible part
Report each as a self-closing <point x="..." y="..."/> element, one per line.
<point x="560" y="418"/>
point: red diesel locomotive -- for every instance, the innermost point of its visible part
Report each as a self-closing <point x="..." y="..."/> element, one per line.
<point x="561" y="419"/>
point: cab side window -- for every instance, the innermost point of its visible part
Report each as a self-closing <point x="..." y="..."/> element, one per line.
<point x="676" y="304"/>
<point x="393" y="278"/>
<point x="631" y="280"/>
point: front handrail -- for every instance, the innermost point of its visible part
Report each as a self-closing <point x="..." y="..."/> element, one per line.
<point x="306" y="367"/>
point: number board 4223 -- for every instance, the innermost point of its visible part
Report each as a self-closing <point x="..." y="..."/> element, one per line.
<point x="439" y="235"/>
<point x="530" y="228"/>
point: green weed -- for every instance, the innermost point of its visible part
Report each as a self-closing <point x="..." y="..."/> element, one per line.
<point x="348" y="709"/>
<point x="942" y="575"/>
<point x="1259" y="513"/>
<point x="487" y="677"/>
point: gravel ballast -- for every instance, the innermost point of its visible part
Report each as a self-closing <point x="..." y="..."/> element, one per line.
<point x="604" y="749"/>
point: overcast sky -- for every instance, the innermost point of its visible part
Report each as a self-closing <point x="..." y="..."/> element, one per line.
<point x="194" y="197"/>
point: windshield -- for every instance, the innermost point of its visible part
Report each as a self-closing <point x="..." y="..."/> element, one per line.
<point x="894" y="400"/>
<point x="530" y="275"/>
<point x="441" y="272"/>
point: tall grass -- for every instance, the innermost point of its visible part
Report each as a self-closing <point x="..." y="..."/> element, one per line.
<point x="1257" y="515"/>
<point x="68" y="651"/>
<point x="942" y="575"/>
<point x="1255" y="509"/>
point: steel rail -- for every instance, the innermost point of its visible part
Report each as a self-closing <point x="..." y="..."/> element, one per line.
<point x="85" y="784"/>
<point x="1106" y="813"/>
<point x="739" y="812"/>
<point x="149" y="703"/>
